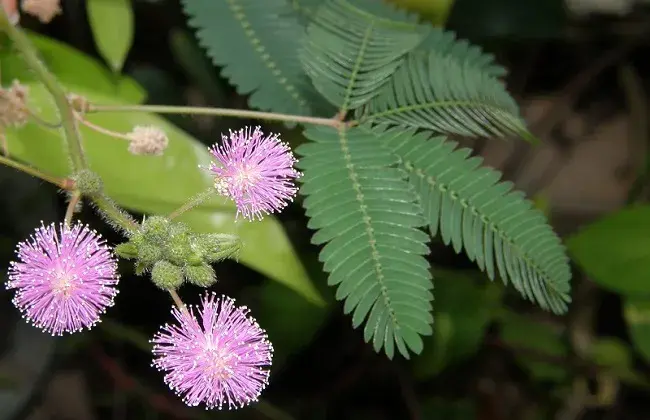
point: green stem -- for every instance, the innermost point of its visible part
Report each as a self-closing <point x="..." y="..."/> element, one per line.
<point x="198" y="199"/>
<point x="113" y="213"/>
<point x="24" y="45"/>
<point x="62" y="183"/>
<point x="222" y="112"/>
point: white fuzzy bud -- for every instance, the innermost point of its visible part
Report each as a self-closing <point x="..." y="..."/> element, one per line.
<point x="148" y="141"/>
<point x="13" y="105"/>
<point x="43" y="10"/>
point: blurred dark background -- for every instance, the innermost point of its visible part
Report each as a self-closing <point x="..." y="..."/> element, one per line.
<point x="580" y="78"/>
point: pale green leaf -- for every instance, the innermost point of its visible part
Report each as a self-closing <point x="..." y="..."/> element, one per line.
<point x="615" y="250"/>
<point x="111" y="22"/>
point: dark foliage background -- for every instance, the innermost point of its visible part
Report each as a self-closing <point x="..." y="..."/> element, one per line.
<point x="568" y="66"/>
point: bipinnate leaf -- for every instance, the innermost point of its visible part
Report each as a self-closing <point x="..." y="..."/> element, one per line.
<point x="365" y="215"/>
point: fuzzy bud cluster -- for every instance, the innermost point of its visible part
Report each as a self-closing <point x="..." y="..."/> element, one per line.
<point x="174" y="254"/>
<point x="13" y="105"/>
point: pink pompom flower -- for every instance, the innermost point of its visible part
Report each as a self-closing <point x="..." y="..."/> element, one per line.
<point x="221" y="359"/>
<point x="64" y="278"/>
<point x="255" y="171"/>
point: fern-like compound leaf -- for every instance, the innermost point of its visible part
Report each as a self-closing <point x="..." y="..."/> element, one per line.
<point x="350" y="53"/>
<point x="440" y="92"/>
<point x="366" y="213"/>
<point x="256" y="43"/>
<point x="445" y="44"/>
<point x="498" y="228"/>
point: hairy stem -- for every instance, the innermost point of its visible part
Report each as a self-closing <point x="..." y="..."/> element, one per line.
<point x="195" y="201"/>
<point x="113" y="213"/>
<point x="63" y="183"/>
<point x="222" y="112"/>
<point x="72" y="204"/>
<point x="24" y="45"/>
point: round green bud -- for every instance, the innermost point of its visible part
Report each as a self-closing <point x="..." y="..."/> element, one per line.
<point x="149" y="253"/>
<point x="156" y="229"/>
<point x="201" y="275"/>
<point x="88" y="182"/>
<point x="166" y="275"/>
<point x="177" y="249"/>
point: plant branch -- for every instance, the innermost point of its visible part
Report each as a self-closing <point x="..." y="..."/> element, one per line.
<point x="177" y="300"/>
<point x="24" y="45"/>
<point x="101" y="130"/>
<point x="195" y="201"/>
<point x="220" y="112"/>
<point x="114" y="214"/>
<point x="63" y="183"/>
<point x="74" y="200"/>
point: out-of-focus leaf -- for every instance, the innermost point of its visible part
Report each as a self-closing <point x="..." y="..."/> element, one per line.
<point x="524" y="336"/>
<point x="615" y="356"/>
<point x="160" y="184"/>
<point x="615" y="250"/>
<point x="435" y="11"/>
<point x="111" y="22"/>
<point x="637" y="314"/>
<point x="463" y="309"/>
<point x="73" y="68"/>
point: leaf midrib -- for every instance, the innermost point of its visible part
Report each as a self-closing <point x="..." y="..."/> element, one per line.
<point x="411" y="169"/>
<point x="367" y="220"/>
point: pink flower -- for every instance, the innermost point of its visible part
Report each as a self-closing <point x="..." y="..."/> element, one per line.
<point x="255" y="171"/>
<point x="221" y="359"/>
<point x="64" y="279"/>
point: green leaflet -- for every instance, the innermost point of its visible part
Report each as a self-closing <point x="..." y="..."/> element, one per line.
<point x="350" y="53"/>
<point x="496" y="227"/>
<point x="365" y="212"/>
<point x="439" y="92"/>
<point x="256" y="42"/>
<point x="445" y="44"/>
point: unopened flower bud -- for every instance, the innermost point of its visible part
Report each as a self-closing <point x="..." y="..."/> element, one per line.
<point x="88" y="182"/>
<point x="166" y="275"/>
<point x="148" y="141"/>
<point x="156" y="229"/>
<point x="43" y="10"/>
<point x="200" y="275"/>
<point x="177" y="249"/>
<point x="13" y="105"/>
<point x="79" y="103"/>
<point x="215" y="247"/>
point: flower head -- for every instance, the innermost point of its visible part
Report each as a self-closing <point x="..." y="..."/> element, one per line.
<point x="255" y="171"/>
<point x="220" y="360"/>
<point x="44" y="10"/>
<point x="13" y="105"/>
<point x="147" y="141"/>
<point x="65" y="278"/>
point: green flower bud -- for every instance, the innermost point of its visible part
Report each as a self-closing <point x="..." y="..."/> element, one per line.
<point x="149" y="254"/>
<point x="217" y="246"/>
<point x="178" y="249"/>
<point x="166" y="275"/>
<point x="201" y="275"/>
<point x="88" y="182"/>
<point x="156" y="229"/>
<point x="127" y="250"/>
